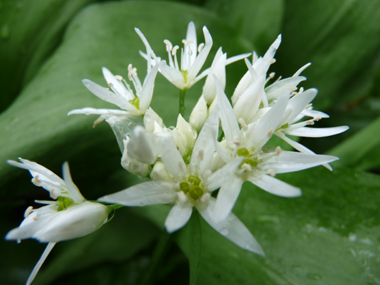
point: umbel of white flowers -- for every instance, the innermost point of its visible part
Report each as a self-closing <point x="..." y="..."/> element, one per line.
<point x="187" y="163"/>
<point x="66" y="217"/>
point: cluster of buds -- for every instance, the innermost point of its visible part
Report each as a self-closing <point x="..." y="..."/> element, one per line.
<point x="202" y="162"/>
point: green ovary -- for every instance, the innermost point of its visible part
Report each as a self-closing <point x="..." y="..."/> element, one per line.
<point x="135" y="102"/>
<point x="248" y="157"/>
<point x="64" y="203"/>
<point x="184" y="73"/>
<point x="193" y="188"/>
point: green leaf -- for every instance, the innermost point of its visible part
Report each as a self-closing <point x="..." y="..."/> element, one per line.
<point x="30" y="30"/>
<point x="258" y="22"/>
<point x="338" y="37"/>
<point x="330" y="235"/>
<point x="360" y="150"/>
<point x="190" y="240"/>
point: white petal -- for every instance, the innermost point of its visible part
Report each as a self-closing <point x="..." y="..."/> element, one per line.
<point x="232" y="228"/>
<point x="218" y="69"/>
<point x="204" y="148"/>
<point x="149" y="118"/>
<point x="92" y="111"/>
<point x="237" y="58"/>
<point x="106" y="95"/>
<point x="299" y="102"/>
<point x="147" y="91"/>
<point x="191" y="48"/>
<point x="219" y="177"/>
<point x="317" y="132"/>
<point x="141" y="146"/>
<point x="178" y="217"/>
<point x="248" y="103"/>
<point x="75" y="221"/>
<point x="275" y="186"/>
<point x="201" y="58"/>
<point x="227" y="116"/>
<point x="43" y="177"/>
<point x="173" y="75"/>
<point x="71" y="187"/>
<point x="289" y="161"/>
<point x="119" y="87"/>
<point x="146" y="193"/>
<point x="227" y="196"/>
<point x="171" y="157"/>
<point x="186" y="129"/>
<point x="243" y="84"/>
<point x="276" y="89"/>
<point x="269" y="122"/>
<point x="37" y="267"/>
<point x="199" y="114"/>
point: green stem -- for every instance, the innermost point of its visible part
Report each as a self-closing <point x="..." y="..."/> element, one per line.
<point x="162" y="246"/>
<point x="182" y="102"/>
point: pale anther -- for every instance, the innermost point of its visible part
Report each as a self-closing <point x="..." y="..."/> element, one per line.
<point x="36" y="181"/>
<point x="110" y="84"/>
<point x="272" y="74"/>
<point x="243" y="124"/>
<point x="174" y="51"/>
<point x="310" y="123"/>
<point x="98" y="121"/>
<point x="301" y="90"/>
<point x="270" y="132"/>
<point x="277" y="152"/>
<point x="200" y="47"/>
<point x="28" y="211"/>
<point x="272" y="61"/>
<point x="169" y="45"/>
<point x="118" y="77"/>
<point x="246" y="167"/>
<point x="271" y="172"/>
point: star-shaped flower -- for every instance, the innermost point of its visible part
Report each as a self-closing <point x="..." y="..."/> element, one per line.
<point x="188" y="185"/>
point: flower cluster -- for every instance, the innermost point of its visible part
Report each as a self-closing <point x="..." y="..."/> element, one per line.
<point x="202" y="162"/>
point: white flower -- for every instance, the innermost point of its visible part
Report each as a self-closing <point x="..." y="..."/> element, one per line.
<point x="193" y="58"/>
<point x="189" y="185"/>
<point x="70" y="216"/>
<point x="248" y="143"/>
<point x="122" y="95"/>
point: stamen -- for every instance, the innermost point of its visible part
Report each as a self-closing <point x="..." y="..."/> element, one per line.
<point x="246" y="166"/>
<point x="271" y="172"/>
<point x="28" y="211"/>
<point x="272" y="74"/>
<point x="308" y="106"/>
<point x="309" y="123"/>
<point x="200" y="47"/>
<point x="277" y="152"/>
<point x="36" y="181"/>
<point x="174" y="51"/>
<point x="301" y="90"/>
<point x="272" y="61"/>
<point x="110" y="84"/>
<point x="243" y="124"/>
<point x="270" y="132"/>
<point x="169" y="45"/>
<point x="317" y="119"/>
<point x="118" y="77"/>
<point x="98" y="121"/>
<point x="131" y="71"/>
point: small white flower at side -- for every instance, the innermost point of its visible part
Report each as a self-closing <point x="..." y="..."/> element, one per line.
<point x="70" y="216"/>
<point x="121" y="94"/>
<point x="189" y="185"/>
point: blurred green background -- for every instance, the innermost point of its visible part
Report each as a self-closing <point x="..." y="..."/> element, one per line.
<point x="330" y="235"/>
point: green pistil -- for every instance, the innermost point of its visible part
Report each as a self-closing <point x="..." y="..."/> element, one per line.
<point x="252" y="162"/>
<point x="283" y="127"/>
<point x="185" y="187"/>
<point x="243" y="152"/>
<point x="184" y="73"/>
<point x="192" y="188"/>
<point x="194" y="179"/>
<point x="196" y="193"/>
<point x="135" y="102"/>
<point x="187" y="156"/>
<point x="64" y="203"/>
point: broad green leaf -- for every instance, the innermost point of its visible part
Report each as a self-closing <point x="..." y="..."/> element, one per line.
<point x="361" y="149"/>
<point x="258" y="22"/>
<point x="30" y="30"/>
<point x="340" y="39"/>
<point x="330" y="235"/>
